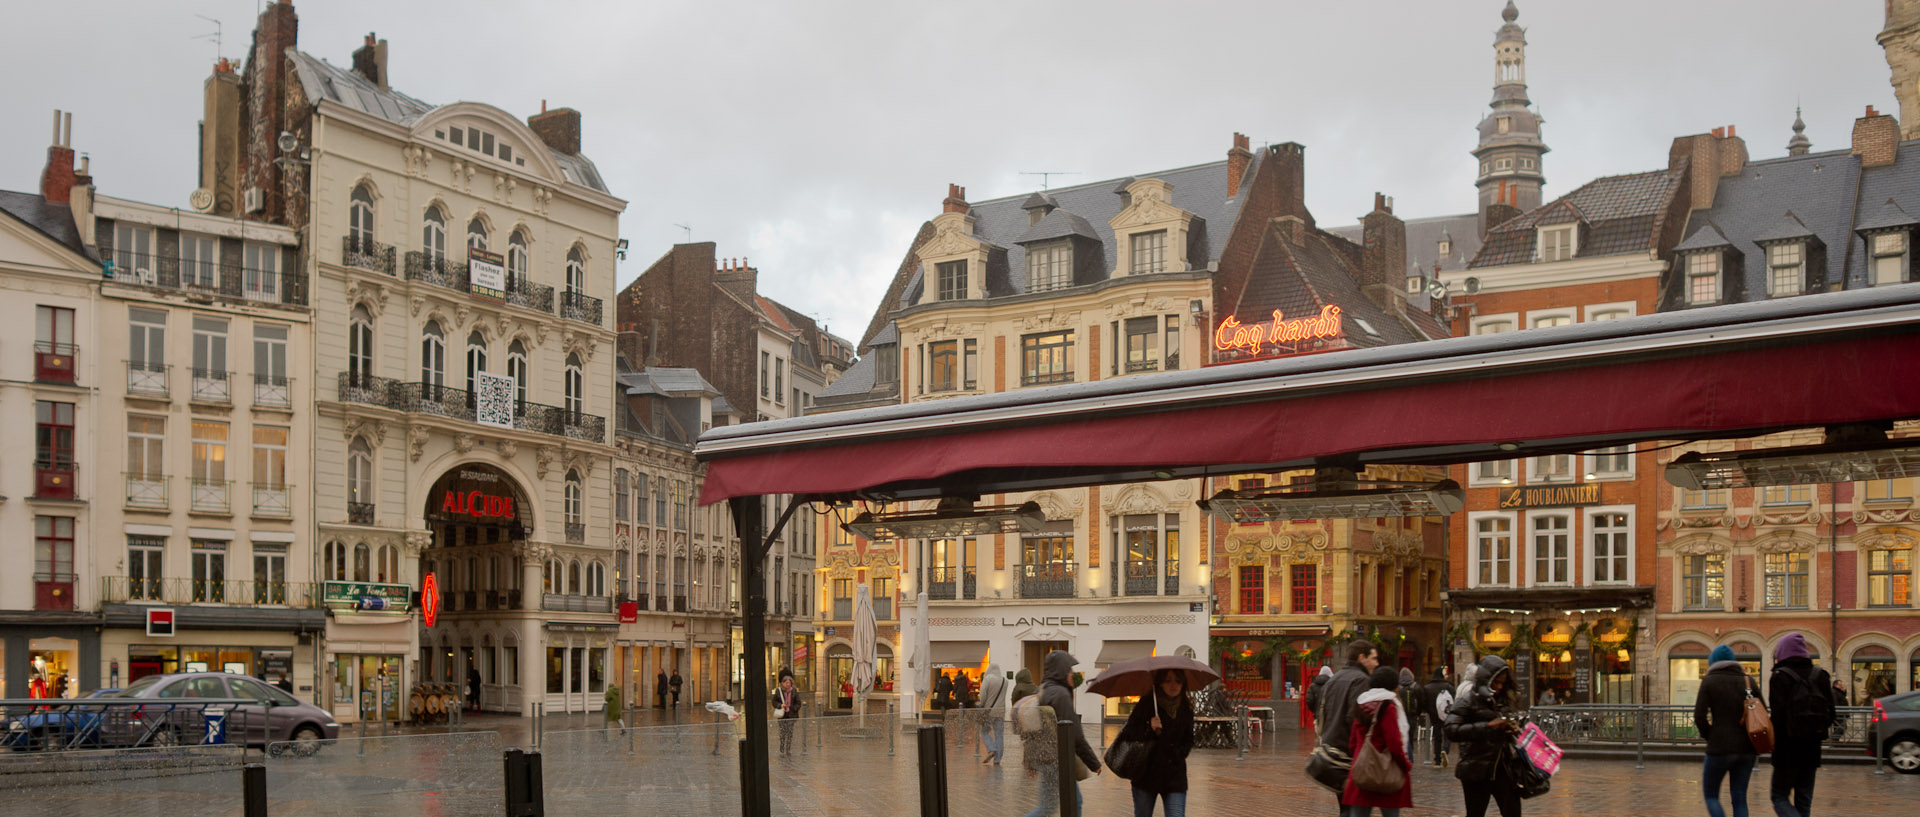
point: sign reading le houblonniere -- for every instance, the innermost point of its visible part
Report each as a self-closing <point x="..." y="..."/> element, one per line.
<point x="1549" y="496"/>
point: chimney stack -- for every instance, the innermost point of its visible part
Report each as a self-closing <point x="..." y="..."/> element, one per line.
<point x="58" y="177"/>
<point x="559" y="128"/>
<point x="1711" y="156"/>
<point x="370" y="61"/>
<point x="1383" y="255"/>
<point x="1290" y="168"/>
<point x="1238" y="158"/>
<point x="956" y="200"/>
<point x="1875" y="138"/>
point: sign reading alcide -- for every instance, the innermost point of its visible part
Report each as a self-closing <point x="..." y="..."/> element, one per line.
<point x="1255" y="337"/>
<point x="475" y="492"/>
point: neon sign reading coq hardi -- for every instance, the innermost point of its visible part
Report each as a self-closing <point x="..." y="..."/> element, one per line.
<point x="1232" y="335"/>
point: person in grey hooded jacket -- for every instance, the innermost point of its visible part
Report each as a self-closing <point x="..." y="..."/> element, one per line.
<point x="993" y="711"/>
<point x="1056" y="693"/>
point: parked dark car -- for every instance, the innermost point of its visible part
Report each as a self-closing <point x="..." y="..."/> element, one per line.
<point x="1895" y="731"/>
<point x="62" y="725"/>
<point x="273" y="716"/>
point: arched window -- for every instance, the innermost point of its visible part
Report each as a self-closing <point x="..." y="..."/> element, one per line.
<point x="476" y="360"/>
<point x="573" y="496"/>
<point x="576" y="272"/>
<point x="596" y="579"/>
<point x="360" y="219"/>
<point x="477" y="234"/>
<point x="550" y="576"/>
<point x="433" y="235"/>
<point x="517" y="260"/>
<point x="517" y="369"/>
<point x="360" y="481"/>
<point x="573" y="577"/>
<point x="433" y="355"/>
<point x="362" y="563"/>
<point x="335" y="568"/>
<point x="389" y="562"/>
<point x="576" y="387"/>
<point x="360" y="347"/>
<point x="621" y="500"/>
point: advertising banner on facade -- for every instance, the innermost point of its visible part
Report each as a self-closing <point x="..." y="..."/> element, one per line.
<point x="493" y="399"/>
<point x="487" y="275"/>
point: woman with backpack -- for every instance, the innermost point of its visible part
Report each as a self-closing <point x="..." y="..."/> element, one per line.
<point x="1165" y="722"/>
<point x="1481" y="723"/>
<point x="1379" y="741"/>
<point x="1719" y="711"/>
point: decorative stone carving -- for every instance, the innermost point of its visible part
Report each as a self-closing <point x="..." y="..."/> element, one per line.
<point x="418" y="303"/>
<point x="376" y="430"/>
<point x="543" y="459"/>
<point x="460" y="316"/>
<point x="418" y="540"/>
<point x="578" y="343"/>
<point x="369" y="294"/>
<point x="499" y="187"/>
<point x="1785" y="542"/>
<point x="1051" y="505"/>
<point x="1885" y="539"/>
<point x="464" y="443"/>
<point x="509" y="449"/>
<point x="535" y="551"/>
<point x="1050" y="320"/>
<point x="1136" y="498"/>
<point x="416" y="442"/>
<point x="1697" y="545"/>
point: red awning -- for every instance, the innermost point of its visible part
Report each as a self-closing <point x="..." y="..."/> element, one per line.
<point x="1703" y="373"/>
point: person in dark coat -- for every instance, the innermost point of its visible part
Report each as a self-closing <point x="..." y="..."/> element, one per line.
<point x="1379" y="720"/>
<point x="786" y="702"/>
<point x="660" y="690"/>
<point x="673" y="685"/>
<point x="1023" y="686"/>
<point x="942" y="690"/>
<point x="1798" y="729"/>
<point x="1342" y="691"/>
<point x="1432" y="697"/>
<point x="1056" y="692"/>
<point x="1165" y="720"/>
<point x="1719" y="710"/>
<point x="473" y="688"/>
<point x="1317" y="688"/>
<point x="1481" y="724"/>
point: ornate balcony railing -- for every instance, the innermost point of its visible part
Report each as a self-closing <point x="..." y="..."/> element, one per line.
<point x="261" y="285"/>
<point x="237" y="592"/>
<point x="55" y="362"/>
<point x="435" y="399"/>
<point x="436" y="270"/>
<point x="272" y="391"/>
<point x="576" y="533"/>
<point x="576" y="603"/>
<point x="148" y="491"/>
<point x="366" y="254"/>
<point x="457" y="404"/>
<point x="146" y="378"/>
<point x="1047" y="580"/>
<point x="584" y="426"/>
<point x="580" y="307"/>
<point x="360" y="513"/>
<point x="1142" y="576"/>
<point x="212" y="386"/>
<point x="530" y="295"/>
<point x="210" y="495"/>
<point x="950" y="582"/>
<point x="272" y="499"/>
<point x="366" y="389"/>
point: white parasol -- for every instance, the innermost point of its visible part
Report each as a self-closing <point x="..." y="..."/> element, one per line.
<point x="923" y="651"/>
<point x="865" y="652"/>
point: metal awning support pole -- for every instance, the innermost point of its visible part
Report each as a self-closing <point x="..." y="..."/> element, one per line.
<point x="748" y="522"/>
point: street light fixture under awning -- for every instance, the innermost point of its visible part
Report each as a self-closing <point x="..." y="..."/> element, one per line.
<point x="1803" y="465"/>
<point x="1353" y="500"/>
<point x="954" y="517"/>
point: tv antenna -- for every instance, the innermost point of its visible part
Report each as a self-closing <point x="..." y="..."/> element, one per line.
<point x="213" y="35"/>
<point x="1046" y="176"/>
<point x="688" y="228"/>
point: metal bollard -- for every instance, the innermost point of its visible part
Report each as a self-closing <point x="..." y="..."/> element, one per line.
<point x="539" y="721"/>
<point x="974" y="721"/>
<point x="525" y="788"/>
<point x="1063" y="767"/>
<point x="363" y="737"/>
<point x="933" y="771"/>
<point x="1640" y="739"/>
<point x="749" y="794"/>
<point x="1240" y="730"/>
<point x="893" y="728"/>
<point x="253" y="780"/>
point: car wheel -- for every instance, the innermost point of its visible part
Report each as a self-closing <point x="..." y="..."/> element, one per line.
<point x="306" y="741"/>
<point x="1903" y="754"/>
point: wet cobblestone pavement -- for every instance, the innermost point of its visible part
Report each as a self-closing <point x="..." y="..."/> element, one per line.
<point x="691" y="769"/>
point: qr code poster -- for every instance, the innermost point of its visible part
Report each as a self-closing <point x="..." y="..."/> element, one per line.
<point x="493" y="399"/>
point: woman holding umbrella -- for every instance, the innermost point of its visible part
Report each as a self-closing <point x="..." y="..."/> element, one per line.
<point x="1162" y="721"/>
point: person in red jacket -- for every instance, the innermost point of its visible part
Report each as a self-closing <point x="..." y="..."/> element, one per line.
<point x="1378" y="719"/>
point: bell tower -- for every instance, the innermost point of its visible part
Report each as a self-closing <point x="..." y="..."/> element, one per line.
<point x="1900" y="39"/>
<point x="1510" y="148"/>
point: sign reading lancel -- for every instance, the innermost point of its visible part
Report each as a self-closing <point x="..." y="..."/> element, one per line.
<point x="1043" y="621"/>
<point x="1550" y="496"/>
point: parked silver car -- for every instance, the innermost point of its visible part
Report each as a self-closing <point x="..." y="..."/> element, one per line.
<point x="1895" y="731"/>
<point x="273" y="716"/>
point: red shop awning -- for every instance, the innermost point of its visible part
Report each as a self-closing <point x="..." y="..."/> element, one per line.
<point x="1727" y="371"/>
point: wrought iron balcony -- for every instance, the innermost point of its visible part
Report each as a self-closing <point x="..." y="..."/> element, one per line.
<point x="209" y="495"/>
<point x="147" y="379"/>
<point x="436" y="270"/>
<point x="147" y="491"/>
<point x="1047" y="580"/>
<point x="1142" y="576"/>
<point x="272" y="499"/>
<point x="576" y="603"/>
<point x="261" y="285"/>
<point x="950" y="582"/>
<point x="212" y="386"/>
<point x="530" y="295"/>
<point x="360" y="513"/>
<point x="366" y="254"/>
<point x="580" y="306"/>
<point x="435" y="399"/>
<point x="55" y="362"/>
<point x="272" y="391"/>
<point x="580" y="426"/>
<point x="457" y="404"/>
<point x="367" y="389"/>
<point x="235" y="592"/>
<point x="576" y="533"/>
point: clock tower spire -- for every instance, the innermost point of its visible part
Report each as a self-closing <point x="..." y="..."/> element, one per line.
<point x="1510" y="148"/>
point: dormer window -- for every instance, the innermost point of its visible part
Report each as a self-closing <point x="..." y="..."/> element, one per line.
<point x="1506" y="124"/>
<point x="1786" y="269"/>
<point x="1446" y="247"/>
<point x="1556" y="243"/>
<point x="952" y="277"/>
<point x="1049" y="266"/>
<point x="1149" y="252"/>
<point x="1703" y="278"/>
<point x="1889" y="259"/>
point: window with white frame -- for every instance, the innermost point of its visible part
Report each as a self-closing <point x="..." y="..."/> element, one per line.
<point x="1493" y="324"/>
<point x="573" y="497"/>
<point x="260" y="271"/>
<point x="433" y="234"/>
<point x="1551" y="537"/>
<point x="1550" y="468"/>
<point x="477" y="234"/>
<point x="360" y="346"/>
<point x="1699" y="500"/>
<point x="951" y="278"/>
<point x="1610" y="536"/>
<point x="133" y="252"/>
<point x="360" y="218"/>
<point x="1608" y="313"/>
<point x="1556" y="242"/>
<point x="1049" y="266"/>
<point x="1703" y="581"/>
<point x="1786" y="269"/>
<point x="1548" y="320"/>
<point x="518" y="258"/>
<point x="1492" y="550"/>
<point x="199" y="261"/>
<point x="146" y="461"/>
<point x="517" y="369"/>
<point x="1615" y="462"/>
<point x="147" y="351"/>
<point x="1889" y="259"/>
<point x="476" y="360"/>
<point x="1491" y="472"/>
<point x="1786" y="580"/>
<point x="433" y="355"/>
<point x="1785" y="495"/>
<point x="576" y="388"/>
<point x="576" y="272"/>
<point x="1149" y="252"/>
<point x="360" y="472"/>
<point x="1703" y="278"/>
<point x="1886" y="490"/>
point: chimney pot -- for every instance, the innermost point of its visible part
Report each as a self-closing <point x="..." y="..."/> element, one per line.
<point x="1730" y="131"/>
<point x="1871" y="111"/>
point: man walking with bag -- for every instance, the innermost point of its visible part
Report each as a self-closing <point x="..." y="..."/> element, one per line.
<point x="1803" y="702"/>
<point x="1435" y="697"/>
<point x="1337" y="705"/>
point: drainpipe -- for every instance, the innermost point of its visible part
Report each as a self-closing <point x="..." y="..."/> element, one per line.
<point x="1833" y="578"/>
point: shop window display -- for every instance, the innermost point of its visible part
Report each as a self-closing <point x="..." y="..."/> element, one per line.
<point x="1873" y="669"/>
<point x="51" y="663"/>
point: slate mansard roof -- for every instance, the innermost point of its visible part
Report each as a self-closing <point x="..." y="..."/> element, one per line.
<point x="323" y="81"/>
<point x="1620" y="214"/>
<point x="1423" y="240"/>
<point x="1820" y="190"/>
<point x="53" y="220"/>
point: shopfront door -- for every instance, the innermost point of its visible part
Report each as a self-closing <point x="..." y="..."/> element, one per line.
<point x="366" y="687"/>
<point x="1034" y="656"/>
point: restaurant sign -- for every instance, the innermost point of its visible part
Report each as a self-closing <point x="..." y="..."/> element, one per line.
<point x="369" y="596"/>
<point x="477" y="492"/>
<point x="1550" y="496"/>
<point x="1253" y="337"/>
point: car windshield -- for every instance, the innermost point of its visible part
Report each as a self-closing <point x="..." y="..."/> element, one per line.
<point x="135" y="689"/>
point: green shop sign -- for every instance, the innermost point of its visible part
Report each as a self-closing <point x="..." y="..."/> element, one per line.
<point x="367" y="595"/>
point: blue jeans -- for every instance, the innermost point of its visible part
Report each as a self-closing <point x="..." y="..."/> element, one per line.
<point x="1143" y="802"/>
<point x="1792" y="790"/>
<point x="993" y="732"/>
<point x="1717" y="767"/>
<point x="1050" y="794"/>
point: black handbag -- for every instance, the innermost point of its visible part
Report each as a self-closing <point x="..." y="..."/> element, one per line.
<point x="1328" y="767"/>
<point x="1528" y="781"/>
<point x="1128" y="758"/>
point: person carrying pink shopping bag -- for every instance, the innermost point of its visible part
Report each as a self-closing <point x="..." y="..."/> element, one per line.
<point x="1543" y="752"/>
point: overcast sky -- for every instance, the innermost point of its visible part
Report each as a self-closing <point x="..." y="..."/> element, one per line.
<point x="814" y="137"/>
